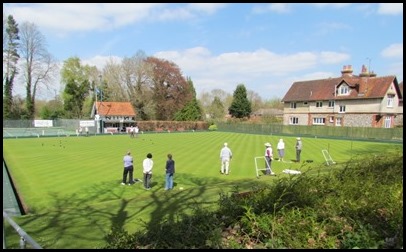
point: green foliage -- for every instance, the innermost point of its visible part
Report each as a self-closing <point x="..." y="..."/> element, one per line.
<point x="240" y="106"/>
<point x="77" y="86"/>
<point x="117" y="238"/>
<point x="216" y="109"/>
<point x="191" y="112"/>
<point x="10" y="59"/>
<point x="52" y="110"/>
<point x="213" y="127"/>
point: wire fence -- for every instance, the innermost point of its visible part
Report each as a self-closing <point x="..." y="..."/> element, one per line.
<point x="355" y="133"/>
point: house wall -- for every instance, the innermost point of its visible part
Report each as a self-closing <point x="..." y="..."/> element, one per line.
<point x="358" y="120"/>
<point x="358" y="113"/>
<point x="302" y="118"/>
<point x="398" y="120"/>
<point x="359" y="106"/>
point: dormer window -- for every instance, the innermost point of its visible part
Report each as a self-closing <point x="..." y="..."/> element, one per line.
<point x="343" y="90"/>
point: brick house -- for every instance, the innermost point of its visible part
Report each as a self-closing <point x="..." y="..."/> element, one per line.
<point x="363" y="100"/>
<point x="113" y="116"/>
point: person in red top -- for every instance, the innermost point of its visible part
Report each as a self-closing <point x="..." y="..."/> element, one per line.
<point x="268" y="159"/>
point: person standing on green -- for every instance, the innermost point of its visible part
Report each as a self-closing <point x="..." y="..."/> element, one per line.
<point x="147" y="165"/>
<point x="281" y="149"/>
<point x="298" y="147"/>
<point x="268" y="159"/>
<point x="170" y="170"/>
<point x="128" y="169"/>
<point x="225" y="156"/>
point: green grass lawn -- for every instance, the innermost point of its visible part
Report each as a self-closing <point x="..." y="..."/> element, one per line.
<point x="71" y="185"/>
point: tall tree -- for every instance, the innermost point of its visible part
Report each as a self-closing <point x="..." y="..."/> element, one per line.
<point x="240" y="106"/>
<point x="216" y="110"/>
<point x="137" y="76"/>
<point x="113" y="75"/>
<point x="38" y="65"/>
<point x="171" y="90"/>
<point x="77" y="85"/>
<point x="274" y="102"/>
<point x="10" y="59"/>
<point x="255" y="100"/>
<point x="192" y="110"/>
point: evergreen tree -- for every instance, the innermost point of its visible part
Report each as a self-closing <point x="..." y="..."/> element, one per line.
<point x="240" y="106"/>
<point x="10" y="59"/>
<point x="192" y="110"/>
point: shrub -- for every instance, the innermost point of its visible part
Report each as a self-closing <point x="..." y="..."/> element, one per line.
<point x="213" y="127"/>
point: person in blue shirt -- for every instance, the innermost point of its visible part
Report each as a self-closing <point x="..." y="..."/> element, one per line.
<point x="128" y="169"/>
<point x="170" y="170"/>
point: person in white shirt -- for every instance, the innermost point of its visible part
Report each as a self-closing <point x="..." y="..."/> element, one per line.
<point x="131" y="131"/>
<point x="225" y="156"/>
<point x="147" y="165"/>
<point x="136" y="130"/>
<point x="281" y="149"/>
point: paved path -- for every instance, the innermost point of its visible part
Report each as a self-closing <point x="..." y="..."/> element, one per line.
<point x="10" y="204"/>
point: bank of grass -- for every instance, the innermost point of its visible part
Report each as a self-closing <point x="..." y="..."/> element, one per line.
<point x="357" y="206"/>
<point x="70" y="186"/>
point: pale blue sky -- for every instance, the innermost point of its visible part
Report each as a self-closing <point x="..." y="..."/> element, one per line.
<point x="266" y="47"/>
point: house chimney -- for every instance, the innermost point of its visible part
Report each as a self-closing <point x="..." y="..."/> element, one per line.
<point x="372" y="74"/>
<point x="347" y="71"/>
<point x="364" y="71"/>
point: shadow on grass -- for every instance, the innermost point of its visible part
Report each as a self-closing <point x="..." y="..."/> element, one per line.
<point x="82" y="220"/>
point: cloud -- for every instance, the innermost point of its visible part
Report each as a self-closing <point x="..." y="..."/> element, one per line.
<point x="289" y="7"/>
<point x="63" y="17"/>
<point x="393" y="51"/>
<point x="273" y="7"/>
<point x="332" y="5"/>
<point x="208" y="8"/>
<point x="260" y="68"/>
<point x="101" y="61"/>
<point x="390" y="8"/>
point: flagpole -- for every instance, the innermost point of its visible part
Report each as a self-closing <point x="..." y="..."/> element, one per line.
<point x="97" y="110"/>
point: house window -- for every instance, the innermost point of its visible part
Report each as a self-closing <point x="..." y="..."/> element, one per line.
<point x="293" y="120"/>
<point x="338" y="121"/>
<point x="305" y="103"/>
<point x="293" y="105"/>
<point x="387" y="123"/>
<point x="331" y="119"/>
<point x="343" y="90"/>
<point x="319" y="104"/>
<point x="330" y="104"/>
<point x="342" y="109"/>
<point x="390" y="100"/>
<point x="319" y="121"/>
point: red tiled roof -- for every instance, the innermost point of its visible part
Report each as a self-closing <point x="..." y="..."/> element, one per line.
<point x="115" y="109"/>
<point x="324" y="89"/>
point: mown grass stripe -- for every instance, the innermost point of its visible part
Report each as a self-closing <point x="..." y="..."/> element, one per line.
<point x="76" y="189"/>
